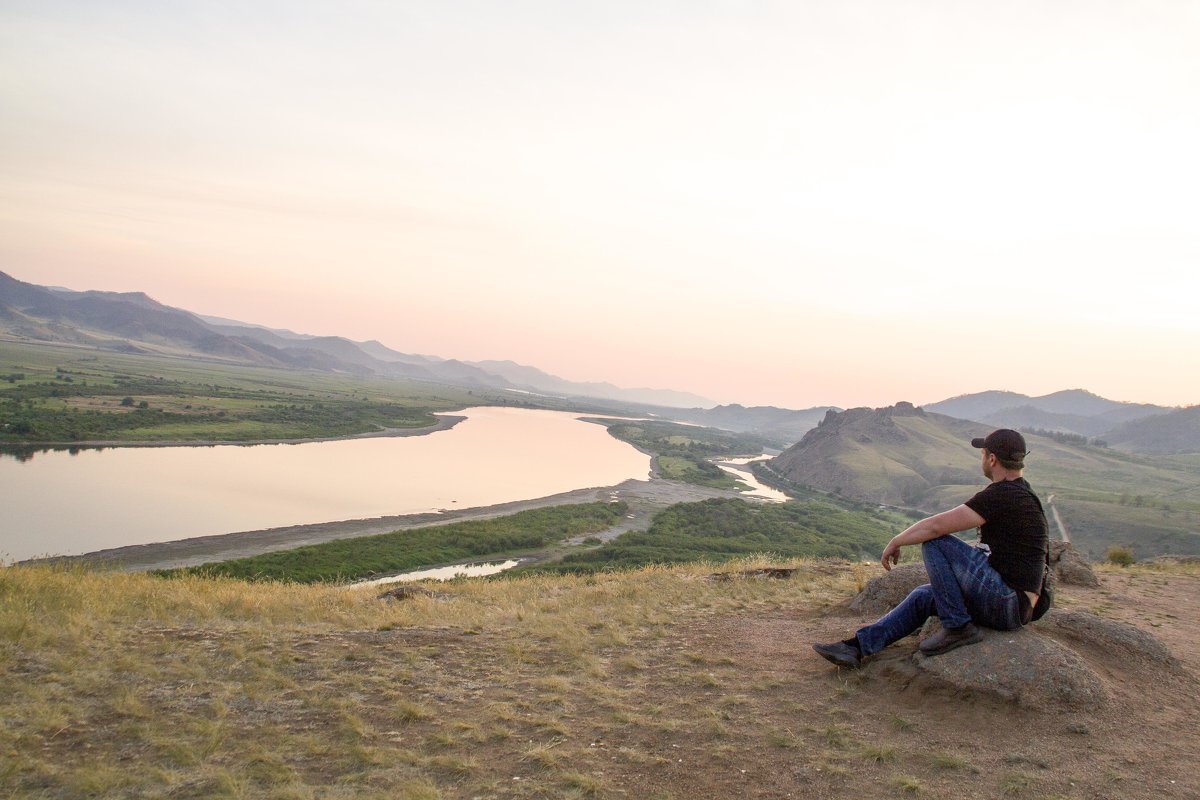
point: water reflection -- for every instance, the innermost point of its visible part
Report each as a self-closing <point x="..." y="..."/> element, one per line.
<point x="757" y="488"/>
<point x="445" y="573"/>
<point x="63" y="504"/>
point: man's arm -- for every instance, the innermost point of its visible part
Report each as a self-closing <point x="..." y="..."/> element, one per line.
<point x="956" y="519"/>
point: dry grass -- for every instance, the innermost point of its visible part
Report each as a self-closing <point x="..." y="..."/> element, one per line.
<point x="119" y="685"/>
<point x="123" y="684"/>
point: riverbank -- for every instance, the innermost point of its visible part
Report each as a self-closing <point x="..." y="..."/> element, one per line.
<point x="445" y="422"/>
<point x="645" y="498"/>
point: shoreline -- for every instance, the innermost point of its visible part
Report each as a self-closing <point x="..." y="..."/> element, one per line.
<point x="445" y="422"/>
<point x="645" y="498"/>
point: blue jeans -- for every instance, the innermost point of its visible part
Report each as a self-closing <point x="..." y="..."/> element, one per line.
<point x="963" y="588"/>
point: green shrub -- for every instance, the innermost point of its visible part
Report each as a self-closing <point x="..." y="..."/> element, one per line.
<point x="1121" y="556"/>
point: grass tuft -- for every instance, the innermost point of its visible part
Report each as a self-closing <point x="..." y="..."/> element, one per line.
<point x="907" y="784"/>
<point x="877" y="754"/>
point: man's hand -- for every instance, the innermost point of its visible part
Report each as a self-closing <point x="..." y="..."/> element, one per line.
<point x="959" y="518"/>
<point x="891" y="554"/>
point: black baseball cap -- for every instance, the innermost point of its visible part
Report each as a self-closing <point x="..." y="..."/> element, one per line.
<point x="1003" y="443"/>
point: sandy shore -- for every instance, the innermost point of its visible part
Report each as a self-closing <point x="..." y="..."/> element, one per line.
<point x="645" y="498"/>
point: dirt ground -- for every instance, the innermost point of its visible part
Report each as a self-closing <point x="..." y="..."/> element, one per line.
<point x="738" y="705"/>
<point x="1143" y="745"/>
<point x="651" y="684"/>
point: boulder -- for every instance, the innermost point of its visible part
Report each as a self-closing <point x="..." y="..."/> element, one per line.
<point x="883" y="593"/>
<point x="1070" y="567"/>
<point x="1120" y="640"/>
<point x="1020" y="666"/>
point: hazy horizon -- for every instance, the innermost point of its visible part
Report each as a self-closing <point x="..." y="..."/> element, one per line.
<point x="602" y="379"/>
<point x="790" y="204"/>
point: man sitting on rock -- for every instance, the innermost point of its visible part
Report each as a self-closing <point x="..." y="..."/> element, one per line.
<point x="995" y="582"/>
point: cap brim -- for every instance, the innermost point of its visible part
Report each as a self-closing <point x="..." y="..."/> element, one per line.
<point x="979" y="443"/>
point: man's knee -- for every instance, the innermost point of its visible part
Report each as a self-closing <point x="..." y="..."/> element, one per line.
<point x="948" y="546"/>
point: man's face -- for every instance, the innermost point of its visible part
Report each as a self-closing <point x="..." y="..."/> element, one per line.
<point x="988" y="462"/>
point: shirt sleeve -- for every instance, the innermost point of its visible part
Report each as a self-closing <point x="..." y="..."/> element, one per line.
<point x="988" y="503"/>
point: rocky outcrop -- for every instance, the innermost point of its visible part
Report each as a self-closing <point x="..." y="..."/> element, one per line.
<point x="1113" y="639"/>
<point x="883" y="593"/>
<point x="1070" y="567"/>
<point x="1021" y="666"/>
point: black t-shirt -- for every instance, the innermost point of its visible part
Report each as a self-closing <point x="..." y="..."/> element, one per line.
<point x="1015" y="529"/>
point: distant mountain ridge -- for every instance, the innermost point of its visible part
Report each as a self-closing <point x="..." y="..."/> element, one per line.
<point x="1073" y="411"/>
<point x="536" y="379"/>
<point x="135" y="322"/>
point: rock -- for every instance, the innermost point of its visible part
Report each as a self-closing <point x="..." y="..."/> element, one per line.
<point x="762" y="572"/>
<point x="1018" y="666"/>
<point x="1113" y="638"/>
<point x="1070" y="567"/>
<point x="883" y="593"/>
<point x="407" y="591"/>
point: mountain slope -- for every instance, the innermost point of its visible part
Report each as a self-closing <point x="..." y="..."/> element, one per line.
<point x="1175" y="432"/>
<point x="890" y="455"/>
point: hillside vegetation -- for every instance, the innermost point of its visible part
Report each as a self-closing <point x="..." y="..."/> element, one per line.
<point x="58" y="393"/>
<point x="721" y="529"/>
<point x="382" y="554"/>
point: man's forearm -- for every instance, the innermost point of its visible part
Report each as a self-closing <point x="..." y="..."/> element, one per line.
<point x="918" y="532"/>
<point x="956" y="519"/>
<point x="947" y="522"/>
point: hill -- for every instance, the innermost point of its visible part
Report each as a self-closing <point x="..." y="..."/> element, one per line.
<point x="893" y="455"/>
<point x="911" y="457"/>
<point x="649" y="683"/>
<point x="1173" y="432"/>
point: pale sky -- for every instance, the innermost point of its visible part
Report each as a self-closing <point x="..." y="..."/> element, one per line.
<point x="794" y="203"/>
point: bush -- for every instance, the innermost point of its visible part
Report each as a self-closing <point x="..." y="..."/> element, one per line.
<point x="1121" y="556"/>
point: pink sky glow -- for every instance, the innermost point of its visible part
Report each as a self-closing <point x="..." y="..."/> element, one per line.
<point x="794" y="204"/>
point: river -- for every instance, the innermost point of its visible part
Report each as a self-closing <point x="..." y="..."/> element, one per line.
<point x="68" y="503"/>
